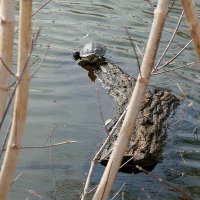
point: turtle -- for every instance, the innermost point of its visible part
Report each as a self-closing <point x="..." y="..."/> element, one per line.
<point x="91" y="53"/>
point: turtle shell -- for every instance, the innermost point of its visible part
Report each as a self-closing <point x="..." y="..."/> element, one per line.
<point x="93" y="49"/>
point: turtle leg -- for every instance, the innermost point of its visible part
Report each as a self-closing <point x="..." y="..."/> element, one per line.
<point x="92" y="75"/>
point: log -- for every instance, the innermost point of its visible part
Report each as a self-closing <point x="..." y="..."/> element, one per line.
<point x="151" y="126"/>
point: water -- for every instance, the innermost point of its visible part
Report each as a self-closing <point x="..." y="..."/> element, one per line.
<point x="63" y="101"/>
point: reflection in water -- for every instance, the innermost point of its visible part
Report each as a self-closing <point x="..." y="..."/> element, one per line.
<point x="91" y="68"/>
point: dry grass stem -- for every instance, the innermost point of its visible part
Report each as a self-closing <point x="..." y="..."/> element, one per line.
<point x="95" y="159"/>
<point x="170" y="42"/>
<point x="118" y="192"/>
<point x="20" y="106"/>
<point x="178" y="54"/>
<point x="107" y="180"/>
<point x="134" y="49"/>
<point x="193" y="22"/>
<point x="175" y="68"/>
<point x="6" y="49"/>
<point x="5" y="139"/>
<point x="43" y="5"/>
<point x="42" y="60"/>
<point x="48" y="146"/>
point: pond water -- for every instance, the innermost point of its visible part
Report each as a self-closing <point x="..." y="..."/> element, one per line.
<point x="63" y="102"/>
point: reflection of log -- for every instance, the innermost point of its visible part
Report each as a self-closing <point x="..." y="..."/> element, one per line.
<point x="146" y="145"/>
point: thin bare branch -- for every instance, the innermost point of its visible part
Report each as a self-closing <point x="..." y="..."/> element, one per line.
<point x="41" y="7"/>
<point x="95" y="159"/>
<point x="193" y="23"/>
<point x="170" y="42"/>
<point x="7" y="68"/>
<point x="173" y="187"/>
<point x="100" y="109"/>
<point x="35" y="38"/>
<point x="117" y="193"/>
<point x="16" y="178"/>
<point x="178" y="54"/>
<point x="48" y="146"/>
<point x="175" y="68"/>
<point x="6" y="138"/>
<point x="140" y="52"/>
<point x="134" y="49"/>
<point x="19" y="79"/>
<point x="40" y="64"/>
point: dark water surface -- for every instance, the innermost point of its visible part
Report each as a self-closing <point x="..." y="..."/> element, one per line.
<point x="63" y="101"/>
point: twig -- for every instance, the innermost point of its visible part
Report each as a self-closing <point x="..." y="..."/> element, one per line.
<point x="94" y="160"/>
<point x="48" y="146"/>
<point x="5" y="139"/>
<point x="173" y="187"/>
<point x="126" y="162"/>
<point x="41" y="7"/>
<point x="39" y="66"/>
<point x="175" y="68"/>
<point x="133" y="46"/>
<point x="7" y="68"/>
<point x="140" y="52"/>
<point x="87" y="183"/>
<point x="179" y="53"/>
<point x="170" y="42"/>
<point x="100" y="109"/>
<point x="36" y="12"/>
<point x="9" y="102"/>
<point x="16" y="178"/>
<point x="35" y="37"/>
<point x="193" y="23"/>
<point x="120" y="189"/>
<point x="15" y="89"/>
<point x="110" y="135"/>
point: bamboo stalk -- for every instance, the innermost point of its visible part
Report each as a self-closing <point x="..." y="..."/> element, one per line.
<point x="6" y="49"/>
<point x="192" y="18"/>
<point x="21" y="99"/>
<point x="128" y="125"/>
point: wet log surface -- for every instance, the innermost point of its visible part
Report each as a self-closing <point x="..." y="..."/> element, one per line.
<point x="148" y="139"/>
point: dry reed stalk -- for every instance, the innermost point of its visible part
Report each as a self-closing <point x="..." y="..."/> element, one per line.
<point x="21" y="99"/>
<point x="192" y="18"/>
<point x="128" y="125"/>
<point x="6" y="49"/>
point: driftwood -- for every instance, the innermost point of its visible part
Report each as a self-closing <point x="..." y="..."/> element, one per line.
<point x="158" y="104"/>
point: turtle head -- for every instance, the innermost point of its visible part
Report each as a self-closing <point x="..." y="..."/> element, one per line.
<point x="76" y="55"/>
